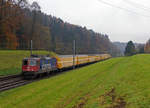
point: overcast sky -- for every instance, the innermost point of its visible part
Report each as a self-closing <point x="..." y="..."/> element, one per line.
<point x="117" y="22"/>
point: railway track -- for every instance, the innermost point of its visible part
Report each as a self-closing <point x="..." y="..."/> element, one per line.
<point x="10" y="82"/>
<point x="9" y="77"/>
<point x="13" y="81"/>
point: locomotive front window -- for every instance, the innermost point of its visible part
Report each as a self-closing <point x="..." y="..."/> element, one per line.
<point x="25" y="62"/>
<point x="32" y="63"/>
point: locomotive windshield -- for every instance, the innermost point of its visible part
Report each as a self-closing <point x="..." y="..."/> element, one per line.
<point x="32" y="62"/>
<point x="29" y="62"/>
<point x="25" y="62"/>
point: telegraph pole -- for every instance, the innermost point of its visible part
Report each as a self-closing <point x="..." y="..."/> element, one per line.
<point x="74" y="53"/>
<point x="33" y="30"/>
<point x="31" y="48"/>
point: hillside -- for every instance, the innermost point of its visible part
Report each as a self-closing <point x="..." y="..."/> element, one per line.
<point x="47" y="32"/>
<point x="115" y="83"/>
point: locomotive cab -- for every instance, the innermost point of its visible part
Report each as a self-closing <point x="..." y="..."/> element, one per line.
<point x="30" y="66"/>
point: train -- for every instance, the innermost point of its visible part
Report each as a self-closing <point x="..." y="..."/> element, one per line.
<point x="37" y="65"/>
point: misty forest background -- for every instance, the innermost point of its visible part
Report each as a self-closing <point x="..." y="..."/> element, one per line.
<point x="21" y="22"/>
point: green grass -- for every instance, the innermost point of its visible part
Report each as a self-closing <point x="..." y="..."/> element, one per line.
<point x="11" y="61"/>
<point x="123" y="82"/>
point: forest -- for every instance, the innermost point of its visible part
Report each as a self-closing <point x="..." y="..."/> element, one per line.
<point x="21" y="22"/>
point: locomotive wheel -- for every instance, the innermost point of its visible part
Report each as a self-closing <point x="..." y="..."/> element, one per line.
<point x="34" y="76"/>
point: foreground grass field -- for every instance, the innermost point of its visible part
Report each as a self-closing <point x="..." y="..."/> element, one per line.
<point x="115" y="83"/>
<point x="11" y="61"/>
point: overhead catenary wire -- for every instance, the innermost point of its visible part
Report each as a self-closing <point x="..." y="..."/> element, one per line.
<point x="124" y="9"/>
<point x="137" y="5"/>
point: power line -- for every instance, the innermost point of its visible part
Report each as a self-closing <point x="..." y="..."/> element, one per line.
<point x="137" y="5"/>
<point x="127" y="10"/>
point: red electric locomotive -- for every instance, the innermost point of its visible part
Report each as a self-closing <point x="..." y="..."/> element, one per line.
<point x="30" y="66"/>
<point x="36" y="65"/>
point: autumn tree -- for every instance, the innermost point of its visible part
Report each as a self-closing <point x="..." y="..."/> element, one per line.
<point x="10" y="17"/>
<point x="147" y="47"/>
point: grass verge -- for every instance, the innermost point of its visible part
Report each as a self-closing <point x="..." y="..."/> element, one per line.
<point x="115" y="83"/>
